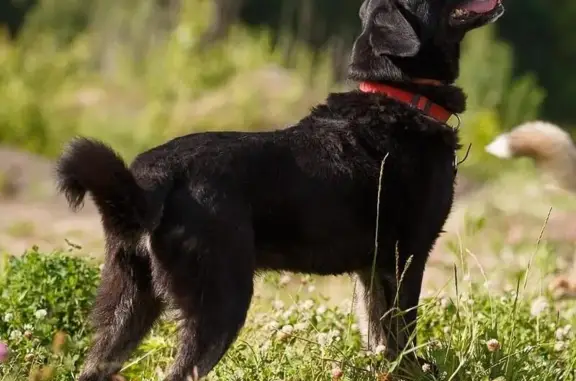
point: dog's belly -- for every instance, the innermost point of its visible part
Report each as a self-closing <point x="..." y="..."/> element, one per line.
<point x="338" y="255"/>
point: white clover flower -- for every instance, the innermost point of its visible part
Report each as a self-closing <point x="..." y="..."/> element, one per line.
<point x="286" y="315"/>
<point x="14" y="335"/>
<point x="562" y="332"/>
<point x="321" y="310"/>
<point x="322" y="339"/>
<point x="278" y="304"/>
<point x="538" y="306"/>
<point x="41" y="314"/>
<point x="288" y="329"/>
<point x="8" y="317"/>
<point x="273" y="325"/>
<point x="28" y="327"/>
<point x="311" y="288"/>
<point x="426" y="368"/>
<point x="493" y="345"/>
<point x="285" y="279"/>
<point x="307" y="304"/>
<point x="265" y="346"/>
<point x="380" y="349"/>
<point x="444" y="303"/>
<point x="559" y="346"/>
<point x="446" y="330"/>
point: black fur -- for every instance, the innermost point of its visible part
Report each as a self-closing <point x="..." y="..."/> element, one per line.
<point x="192" y="221"/>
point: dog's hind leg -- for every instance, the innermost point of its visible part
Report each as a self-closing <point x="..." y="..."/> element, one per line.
<point x="209" y="279"/>
<point x="124" y="311"/>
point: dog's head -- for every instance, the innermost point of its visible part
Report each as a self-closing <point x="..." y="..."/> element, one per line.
<point x="407" y="40"/>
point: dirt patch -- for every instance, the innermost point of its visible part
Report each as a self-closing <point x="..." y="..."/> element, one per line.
<point x="33" y="213"/>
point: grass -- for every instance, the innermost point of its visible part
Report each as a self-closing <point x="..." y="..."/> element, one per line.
<point x="294" y="331"/>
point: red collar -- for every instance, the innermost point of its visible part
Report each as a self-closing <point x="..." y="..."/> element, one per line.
<point x="420" y="102"/>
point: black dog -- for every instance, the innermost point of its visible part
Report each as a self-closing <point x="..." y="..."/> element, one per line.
<point x="192" y="221"/>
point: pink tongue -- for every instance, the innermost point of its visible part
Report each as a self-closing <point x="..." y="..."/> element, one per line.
<point x="480" y="6"/>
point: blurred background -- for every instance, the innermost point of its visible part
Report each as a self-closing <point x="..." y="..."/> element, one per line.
<point x="138" y="72"/>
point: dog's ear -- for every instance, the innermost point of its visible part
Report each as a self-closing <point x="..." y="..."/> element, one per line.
<point x="391" y="34"/>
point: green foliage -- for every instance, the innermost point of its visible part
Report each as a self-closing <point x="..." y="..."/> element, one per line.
<point x="44" y="295"/>
<point x="150" y="85"/>
<point x="496" y="100"/>
<point x="473" y="335"/>
<point x="544" y="40"/>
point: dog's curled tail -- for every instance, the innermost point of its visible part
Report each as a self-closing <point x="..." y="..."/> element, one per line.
<point x="89" y="165"/>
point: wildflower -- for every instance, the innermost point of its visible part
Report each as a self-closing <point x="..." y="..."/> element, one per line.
<point x="559" y="346"/>
<point x="538" y="306"/>
<point x="311" y="288"/>
<point x="380" y="349"/>
<point x="285" y="279"/>
<point x="307" y="304"/>
<point x="561" y="333"/>
<point x="288" y="329"/>
<point x="29" y="357"/>
<point x="8" y="317"/>
<point x="266" y="346"/>
<point x="337" y="373"/>
<point x="28" y="334"/>
<point x="277" y="304"/>
<point x="15" y="335"/>
<point x="321" y="310"/>
<point x="493" y="345"/>
<point x="3" y="352"/>
<point x="334" y="333"/>
<point x="322" y="339"/>
<point x="286" y="315"/>
<point x="446" y="330"/>
<point x="354" y="327"/>
<point x="273" y="325"/>
<point x="444" y="303"/>
<point x="41" y="314"/>
<point x="426" y="368"/>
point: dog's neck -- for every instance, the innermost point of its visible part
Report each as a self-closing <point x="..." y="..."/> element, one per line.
<point x="450" y="97"/>
<point x="422" y="103"/>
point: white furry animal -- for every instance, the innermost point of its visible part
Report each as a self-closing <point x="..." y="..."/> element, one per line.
<point x="551" y="148"/>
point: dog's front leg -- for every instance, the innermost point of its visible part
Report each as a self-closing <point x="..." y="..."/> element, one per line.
<point x="387" y="308"/>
